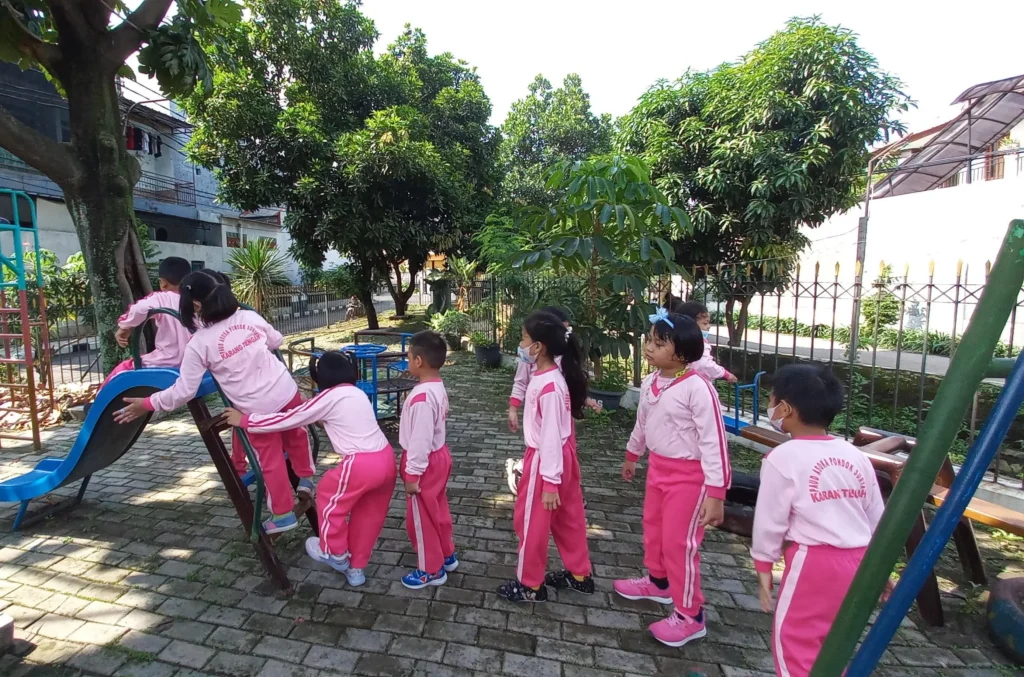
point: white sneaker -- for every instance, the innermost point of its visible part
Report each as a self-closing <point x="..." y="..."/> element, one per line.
<point x="339" y="564"/>
<point x="355" y="577"/>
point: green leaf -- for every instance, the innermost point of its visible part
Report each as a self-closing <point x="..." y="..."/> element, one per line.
<point x="606" y="213"/>
<point x="620" y="216"/>
<point x="665" y="247"/>
<point x="126" y="71"/>
<point x="572" y="245"/>
<point x="618" y="284"/>
<point x="645" y="249"/>
<point x="603" y="250"/>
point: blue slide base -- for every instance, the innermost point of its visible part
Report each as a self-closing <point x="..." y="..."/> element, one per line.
<point x="89" y="453"/>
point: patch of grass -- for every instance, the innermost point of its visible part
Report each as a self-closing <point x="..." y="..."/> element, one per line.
<point x="195" y="576"/>
<point x="132" y="654"/>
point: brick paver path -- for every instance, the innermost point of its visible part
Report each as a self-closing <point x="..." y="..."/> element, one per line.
<point x="152" y="577"/>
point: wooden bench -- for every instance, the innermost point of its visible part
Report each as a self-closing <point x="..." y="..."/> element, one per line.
<point x="888" y="454"/>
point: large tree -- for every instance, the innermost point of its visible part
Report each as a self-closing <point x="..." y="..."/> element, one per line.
<point x="753" y="150"/>
<point x="547" y="127"/>
<point x="384" y="158"/>
<point x="82" y="51"/>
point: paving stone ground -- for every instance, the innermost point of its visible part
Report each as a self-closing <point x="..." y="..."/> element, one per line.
<point x="152" y="577"/>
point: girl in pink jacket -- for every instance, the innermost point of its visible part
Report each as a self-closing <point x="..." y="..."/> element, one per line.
<point x="353" y="496"/>
<point x="817" y="507"/>
<point x="524" y="372"/>
<point x="679" y="419"/>
<point x="235" y="345"/>
<point x="706" y="365"/>
<point x="550" y="499"/>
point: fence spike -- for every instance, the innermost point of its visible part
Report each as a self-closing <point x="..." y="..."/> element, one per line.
<point x="988" y="269"/>
<point x="858" y="268"/>
<point x="881" y="269"/>
<point x="764" y="267"/>
<point x="959" y="267"/>
<point x="906" y="270"/>
<point x="837" y="269"/>
<point x="931" y="267"/>
<point x="817" y="267"/>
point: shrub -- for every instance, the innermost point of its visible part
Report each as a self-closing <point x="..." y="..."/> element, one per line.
<point x="615" y="377"/>
<point x="481" y="340"/>
<point x="451" y="324"/>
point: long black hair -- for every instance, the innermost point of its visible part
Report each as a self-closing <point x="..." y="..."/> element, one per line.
<point x="213" y="294"/>
<point x="333" y="368"/>
<point x="551" y="332"/>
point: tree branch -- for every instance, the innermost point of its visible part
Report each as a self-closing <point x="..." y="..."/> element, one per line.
<point x="30" y="44"/>
<point x="44" y="154"/>
<point x="70" y="22"/>
<point x="128" y="37"/>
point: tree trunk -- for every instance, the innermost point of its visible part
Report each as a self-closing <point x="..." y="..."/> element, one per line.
<point x="736" y="325"/>
<point x="100" y="200"/>
<point x="401" y="295"/>
<point x="366" y="298"/>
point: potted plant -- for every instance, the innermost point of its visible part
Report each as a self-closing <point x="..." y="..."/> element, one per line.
<point x="488" y="354"/>
<point x="452" y="325"/>
<point x="611" y="386"/>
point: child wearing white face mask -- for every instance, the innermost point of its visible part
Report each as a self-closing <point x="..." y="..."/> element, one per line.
<point x="526" y="367"/>
<point x="817" y="506"/>
<point x="706" y="365"/>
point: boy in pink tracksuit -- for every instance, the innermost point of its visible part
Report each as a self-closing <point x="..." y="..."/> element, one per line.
<point x="550" y="500"/>
<point x="426" y="465"/>
<point x="353" y="496"/>
<point x="679" y="419"/>
<point x="234" y="346"/>
<point x="706" y="365"/>
<point x="817" y="506"/>
<point x="171" y="336"/>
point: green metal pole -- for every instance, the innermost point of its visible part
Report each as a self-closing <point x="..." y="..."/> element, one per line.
<point x="1000" y="367"/>
<point x="966" y="369"/>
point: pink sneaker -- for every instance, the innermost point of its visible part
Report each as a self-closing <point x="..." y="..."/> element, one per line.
<point x="641" y="588"/>
<point x="677" y="630"/>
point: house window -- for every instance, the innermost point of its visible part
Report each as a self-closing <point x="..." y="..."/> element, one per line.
<point x="271" y="241"/>
<point x="234" y="240"/>
<point x="161" y="235"/>
<point x="198" y="265"/>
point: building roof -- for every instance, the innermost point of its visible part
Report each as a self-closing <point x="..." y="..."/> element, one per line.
<point x="991" y="110"/>
<point x="147" y="113"/>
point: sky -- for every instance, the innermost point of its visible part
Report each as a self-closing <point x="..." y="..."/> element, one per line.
<point x="621" y="48"/>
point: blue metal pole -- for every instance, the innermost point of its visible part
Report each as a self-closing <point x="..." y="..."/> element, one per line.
<point x="948" y="516"/>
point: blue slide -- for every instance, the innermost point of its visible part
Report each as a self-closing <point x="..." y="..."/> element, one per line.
<point x="100" y="442"/>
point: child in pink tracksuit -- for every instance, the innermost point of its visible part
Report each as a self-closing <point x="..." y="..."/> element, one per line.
<point x="524" y="372"/>
<point x="234" y="345"/>
<point x="817" y="506"/>
<point x="353" y="496"/>
<point x="550" y="499"/>
<point x="706" y="365"/>
<point x="679" y="419"/>
<point x="171" y="336"/>
<point x="426" y="465"/>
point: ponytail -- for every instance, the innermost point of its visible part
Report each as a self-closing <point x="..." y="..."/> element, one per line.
<point x="333" y="368"/>
<point x="559" y="340"/>
<point x="214" y="295"/>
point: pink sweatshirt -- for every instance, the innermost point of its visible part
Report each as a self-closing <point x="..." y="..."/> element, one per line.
<point x="707" y="367"/>
<point x="345" y="411"/>
<point x="547" y="423"/>
<point x="524" y="372"/>
<point x="814" y="491"/>
<point x="681" y="418"/>
<point x="421" y="428"/>
<point x="171" y="335"/>
<point x="236" y="351"/>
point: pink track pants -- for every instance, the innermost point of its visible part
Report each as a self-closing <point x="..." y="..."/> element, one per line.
<point x="672" y="530"/>
<point x="352" y="500"/>
<point x="270" y="449"/>
<point x="812" y="590"/>
<point x="428" y="520"/>
<point x="127" y="365"/>
<point x="567" y="523"/>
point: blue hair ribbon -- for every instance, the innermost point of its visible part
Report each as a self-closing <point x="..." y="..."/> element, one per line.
<point x="661" y="315"/>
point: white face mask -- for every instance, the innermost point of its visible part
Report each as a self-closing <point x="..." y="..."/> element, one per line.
<point x="776" y="424"/>
<point x="525" y="356"/>
<point x="705" y="333"/>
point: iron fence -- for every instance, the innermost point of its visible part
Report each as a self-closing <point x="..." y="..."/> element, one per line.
<point x="909" y="331"/>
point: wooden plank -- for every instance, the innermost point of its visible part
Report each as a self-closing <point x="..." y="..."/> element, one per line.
<point x="983" y="511"/>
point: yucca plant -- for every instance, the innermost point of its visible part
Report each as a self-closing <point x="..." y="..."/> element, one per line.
<point x="258" y="268"/>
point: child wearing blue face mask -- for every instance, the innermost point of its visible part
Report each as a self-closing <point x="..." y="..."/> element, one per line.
<point x="706" y="366"/>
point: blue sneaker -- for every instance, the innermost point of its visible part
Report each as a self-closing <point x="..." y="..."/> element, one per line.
<point x="278" y="523"/>
<point x="355" y="577"/>
<point x="306" y="487"/>
<point x="451" y="563"/>
<point x="414" y="580"/>
<point x="339" y="564"/>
